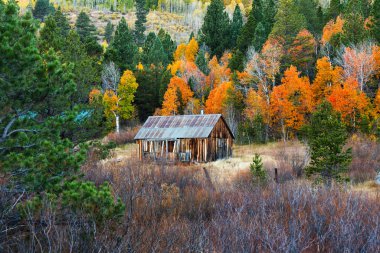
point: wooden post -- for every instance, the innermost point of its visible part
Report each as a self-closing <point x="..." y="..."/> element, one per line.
<point x="167" y="150"/>
<point x="276" y="175"/>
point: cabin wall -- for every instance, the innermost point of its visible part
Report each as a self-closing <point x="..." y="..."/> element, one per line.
<point x="217" y="146"/>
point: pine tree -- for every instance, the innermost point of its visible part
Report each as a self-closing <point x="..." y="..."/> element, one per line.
<point x="259" y="174"/>
<point x="123" y="49"/>
<point x="260" y="36"/>
<point x="62" y="22"/>
<point x="354" y="30"/>
<point x="87" y="33"/>
<point x="326" y="136"/>
<point x="309" y="9"/>
<point x="86" y="69"/>
<point x="289" y="21"/>
<point x="375" y="27"/>
<point x="248" y="31"/>
<point x="202" y="62"/>
<point x="334" y="9"/>
<point x="50" y="36"/>
<point x="237" y="61"/>
<point x="156" y="54"/>
<point x="269" y="12"/>
<point x="167" y="43"/>
<point x="42" y="9"/>
<point x="141" y="13"/>
<point x="236" y="25"/>
<point x="108" y="32"/>
<point x="85" y="29"/>
<point x="216" y="28"/>
<point x="37" y="89"/>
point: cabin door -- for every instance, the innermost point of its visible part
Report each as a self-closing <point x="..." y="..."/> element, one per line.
<point x="221" y="145"/>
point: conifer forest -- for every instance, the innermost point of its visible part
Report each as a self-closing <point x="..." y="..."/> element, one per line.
<point x="296" y="81"/>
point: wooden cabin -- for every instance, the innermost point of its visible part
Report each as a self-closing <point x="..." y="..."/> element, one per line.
<point x="185" y="138"/>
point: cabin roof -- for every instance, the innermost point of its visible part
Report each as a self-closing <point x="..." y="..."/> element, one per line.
<point x="179" y="127"/>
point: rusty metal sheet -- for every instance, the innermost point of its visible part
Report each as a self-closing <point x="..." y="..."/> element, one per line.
<point x="178" y="127"/>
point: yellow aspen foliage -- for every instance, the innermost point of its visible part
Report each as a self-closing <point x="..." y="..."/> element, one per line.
<point x="179" y="53"/>
<point x="126" y="93"/>
<point x="191" y="50"/>
<point x="332" y="28"/>
<point x="256" y="104"/>
<point x="170" y="104"/>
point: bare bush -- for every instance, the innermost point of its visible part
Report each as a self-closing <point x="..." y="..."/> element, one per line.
<point x="174" y="209"/>
<point x="123" y="137"/>
<point x="365" y="159"/>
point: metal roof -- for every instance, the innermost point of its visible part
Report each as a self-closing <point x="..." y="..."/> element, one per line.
<point x="178" y="127"/>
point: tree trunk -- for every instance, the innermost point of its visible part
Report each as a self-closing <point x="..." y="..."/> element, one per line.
<point x="117" y="124"/>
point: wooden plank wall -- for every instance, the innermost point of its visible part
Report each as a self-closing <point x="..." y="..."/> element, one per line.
<point x="200" y="150"/>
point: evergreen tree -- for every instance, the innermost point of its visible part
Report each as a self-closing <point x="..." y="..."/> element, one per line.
<point x="354" y="30"/>
<point x="85" y="29"/>
<point x="156" y="54"/>
<point x="269" y="12"/>
<point x="201" y="61"/>
<point x="236" y="25"/>
<point x="248" y="31"/>
<point x="361" y="7"/>
<point x="309" y="9"/>
<point x="50" y="36"/>
<point x="150" y="79"/>
<point x="62" y="23"/>
<point x="259" y="174"/>
<point x="260" y="36"/>
<point x="326" y="136"/>
<point x="167" y="43"/>
<point x="42" y="9"/>
<point x="108" y="32"/>
<point x="87" y="33"/>
<point x="375" y="27"/>
<point x="334" y="9"/>
<point x="289" y="21"/>
<point x="123" y="50"/>
<point x="141" y="13"/>
<point x="86" y="69"/>
<point x="216" y="28"/>
<point x="237" y="61"/>
<point x="41" y="167"/>
<point x="149" y="42"/>
<point x="191" y="36"/>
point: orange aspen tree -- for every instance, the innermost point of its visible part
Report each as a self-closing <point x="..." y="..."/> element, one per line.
<point x="376" y="57"/>
<point x="219" y="71"/>
<point x="256" y="105"/>
<point x="332" y="28"/>
<point x="291" y="101"/>
<point x="303" y="50"/>
<point x="216" y="100"/>
<point x="327" y="76"/>
<point x="349" y="101"/>
<point x="172" y="102"/>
